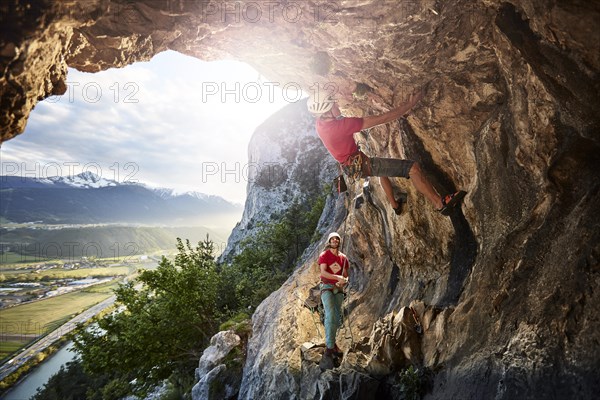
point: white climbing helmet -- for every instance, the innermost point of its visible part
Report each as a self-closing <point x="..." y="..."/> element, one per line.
<point x="320" y="102"/>
<point x="332" y="235"/>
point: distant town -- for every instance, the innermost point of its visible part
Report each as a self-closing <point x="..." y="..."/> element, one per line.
<point x="23" y="284"/>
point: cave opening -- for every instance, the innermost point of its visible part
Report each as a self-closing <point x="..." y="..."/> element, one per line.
<point x="175" y="122"/>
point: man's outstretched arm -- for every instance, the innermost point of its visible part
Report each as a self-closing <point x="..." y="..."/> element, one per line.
<point x="369" y="122"/>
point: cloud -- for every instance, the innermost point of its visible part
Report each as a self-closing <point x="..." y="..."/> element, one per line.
<point x="159" y="122"/>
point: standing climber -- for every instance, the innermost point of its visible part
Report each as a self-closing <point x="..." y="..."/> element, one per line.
<point x="334" y="277"/>
<point x="337" y="134"/>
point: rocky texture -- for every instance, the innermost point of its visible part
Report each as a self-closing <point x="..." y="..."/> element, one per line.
<point x="393" y="343"/>
<point x="216" y="380"/>
<point x="510" y="283"/>
<point x="286" y="163"/>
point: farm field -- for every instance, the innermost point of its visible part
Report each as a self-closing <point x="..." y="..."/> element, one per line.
<point x="16" y="258"/>
<point x="21" y="324"/>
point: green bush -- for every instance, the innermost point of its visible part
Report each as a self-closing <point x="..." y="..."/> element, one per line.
<point x="414" y="383"/>
<point x="240" y="324"/>
<point x="115" y="389"/>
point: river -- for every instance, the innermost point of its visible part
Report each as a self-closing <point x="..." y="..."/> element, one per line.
<point x="40" y="375"/>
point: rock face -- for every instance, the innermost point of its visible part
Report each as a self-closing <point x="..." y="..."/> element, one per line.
<point x="508" y="285"/>
<point x="212" y="369"/>
<point x="286" y="162"/>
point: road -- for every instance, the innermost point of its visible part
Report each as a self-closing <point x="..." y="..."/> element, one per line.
<point x="30" y="352"/>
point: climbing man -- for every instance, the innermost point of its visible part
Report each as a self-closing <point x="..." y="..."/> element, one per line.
<point x="334" y="277"/>
<point x="337" y="134"/>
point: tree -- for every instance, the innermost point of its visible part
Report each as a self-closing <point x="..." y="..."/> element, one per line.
<point x="269" y="256"/>
<point x="71" y="383"/>
<point x="166" y="318"/>
<point x="163" y="322"/>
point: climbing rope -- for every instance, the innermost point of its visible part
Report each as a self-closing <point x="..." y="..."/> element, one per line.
<point x="348" y="326"/>
<point x="312" y="313"/>
<point x="365" y="142"/>
<point x="346" y="301"/>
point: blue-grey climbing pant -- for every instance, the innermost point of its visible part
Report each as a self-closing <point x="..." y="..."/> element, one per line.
<point x="332" y="304"/>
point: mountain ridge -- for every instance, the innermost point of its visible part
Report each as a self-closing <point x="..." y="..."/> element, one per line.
<point x="88" y="198"/>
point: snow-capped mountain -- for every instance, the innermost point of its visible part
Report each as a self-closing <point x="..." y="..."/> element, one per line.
<point x="163" y="192"/>
<point x="89" y="198"/>
<point x="167" y="193"/>
<point x="83" y="180"/>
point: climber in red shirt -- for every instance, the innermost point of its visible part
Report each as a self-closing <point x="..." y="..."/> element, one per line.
<point x="334" y="276"/>
<point x="337" y="134"/>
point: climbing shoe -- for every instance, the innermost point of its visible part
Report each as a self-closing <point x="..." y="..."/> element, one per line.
<point x="327" y="362"/>
<point x="337" y="352"/>
<point x="450" y="201"/>
<point x="401" y="200"/>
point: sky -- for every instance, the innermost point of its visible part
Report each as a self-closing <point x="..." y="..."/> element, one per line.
<point x="174" y="122"/>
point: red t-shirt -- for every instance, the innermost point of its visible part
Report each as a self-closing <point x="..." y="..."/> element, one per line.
<point x="335" y="265"/>
<point x="337" y="136"/>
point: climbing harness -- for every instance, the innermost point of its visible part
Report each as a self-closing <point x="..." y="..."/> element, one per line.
<point x="353" y="167"/>
<point x="354" y="171"/>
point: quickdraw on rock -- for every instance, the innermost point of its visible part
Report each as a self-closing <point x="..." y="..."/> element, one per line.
<point x="418" y="327"/>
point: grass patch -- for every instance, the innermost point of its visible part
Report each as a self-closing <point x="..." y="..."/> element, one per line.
<point x="7" y="348"/>
<point x="21" y="324"/>
<point x="240" y="324"/>
<point x="41" y="316"/>
<point x="104" y="287"/>
<point x="15" y="258"/>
